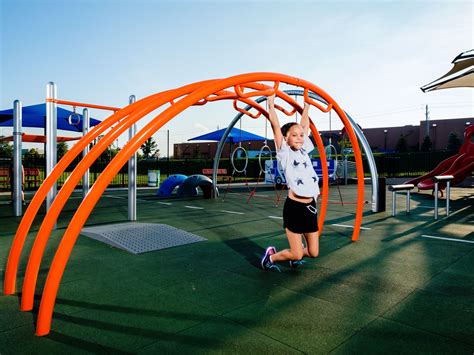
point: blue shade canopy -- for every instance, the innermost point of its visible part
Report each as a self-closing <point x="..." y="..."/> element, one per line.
<point x="236" y="135"/>
<point x="35" y="116"/>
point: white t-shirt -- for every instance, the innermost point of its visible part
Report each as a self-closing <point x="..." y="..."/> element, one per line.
<point x="298" y="168"/>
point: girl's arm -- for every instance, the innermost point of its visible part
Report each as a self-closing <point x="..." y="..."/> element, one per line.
<point x="273" y="118"/>
<point x="305" y="119"/>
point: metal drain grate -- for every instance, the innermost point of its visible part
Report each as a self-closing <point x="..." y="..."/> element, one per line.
<point x="138" y="238"/>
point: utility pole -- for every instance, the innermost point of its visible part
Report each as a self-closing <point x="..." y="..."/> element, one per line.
<point x="168" y="144"/>
<point x="427" y="121"/>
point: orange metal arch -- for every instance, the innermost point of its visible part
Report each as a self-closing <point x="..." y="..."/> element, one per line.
<point x="72" y="232"/>
<point x="47" y="225"/>
<point x="39" y="246"/>
<point x="66" y="190"/>
<point x="38" y="198"/>
<point x="202" y="93"/>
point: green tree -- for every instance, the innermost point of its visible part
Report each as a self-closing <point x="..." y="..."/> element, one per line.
<point x="32" y="155"/>
<point x="427" y="144"/>
<point x="62" y="149"/>
<point x="148" y="148"/>
<point x="6" y="150"/>
<point x="454" y="143"/>
<point x="402" y="145"/>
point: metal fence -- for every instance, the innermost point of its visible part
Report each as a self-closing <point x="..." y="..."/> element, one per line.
<point x="409" y="164"/>
<point x="388" y="165"/>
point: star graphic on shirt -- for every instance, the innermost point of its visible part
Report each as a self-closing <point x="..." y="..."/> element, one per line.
<point x="305" y="164"/>
<point x="295" y="163"/>
<point x="315" y="179"/>
<point x="299" y="182"/>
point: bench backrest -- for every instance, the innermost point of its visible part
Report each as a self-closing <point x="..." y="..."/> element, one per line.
<point x="32" y="172"/>
<point x="211" y="171"/>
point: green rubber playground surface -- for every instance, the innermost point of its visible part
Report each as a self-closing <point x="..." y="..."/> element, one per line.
<point x="399" y="289"/>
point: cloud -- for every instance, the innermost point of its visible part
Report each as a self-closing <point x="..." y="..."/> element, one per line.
<point x="201" y="127"/>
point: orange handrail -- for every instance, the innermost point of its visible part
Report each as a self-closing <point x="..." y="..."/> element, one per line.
<point x="82" y="104"/>
<point x="200" y="102"/>
<point x="266" y="92"/>
<point x="315" y="103"/>
<point x="222" y="95"/>
<point x="286" y="112"/>
<point x="245" y="112"/>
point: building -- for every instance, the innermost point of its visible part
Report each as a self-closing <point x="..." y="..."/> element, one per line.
<point x="380" y="139"/>
<point x="386" y="138"/>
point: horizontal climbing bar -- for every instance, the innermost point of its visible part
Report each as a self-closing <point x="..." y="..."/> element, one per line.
<point x="81" y="104"/>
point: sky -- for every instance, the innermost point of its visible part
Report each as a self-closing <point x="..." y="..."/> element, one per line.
<point x="372" y="57"/>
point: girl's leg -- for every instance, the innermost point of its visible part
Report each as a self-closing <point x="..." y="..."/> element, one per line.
<point x="312" y="243"/>
<point x="296" y="248"/>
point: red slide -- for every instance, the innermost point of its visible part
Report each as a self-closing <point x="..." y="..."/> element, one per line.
<point x="459" y="165"/>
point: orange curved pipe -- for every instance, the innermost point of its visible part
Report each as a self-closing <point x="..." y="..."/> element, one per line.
<point x="315" y="103"/>
<point x="47" y="225"/>
<point x="41" y="239"/>
<point x="266" y="92"/>
<point x="286" y="112"/>
<point x="325" y="186"/>
<point x="38" y="198"/>
<point x="72" y="232"/>
<point x="104" y="187"/>
<point x="9" y="285"/>
<point x="62" y="197"/>
<point x="245" y="112"/>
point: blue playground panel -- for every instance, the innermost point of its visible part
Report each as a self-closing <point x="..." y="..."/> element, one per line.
<point x="167" y="187"/>
<point x="190" y="185"/>
<point x="276" y="175"/>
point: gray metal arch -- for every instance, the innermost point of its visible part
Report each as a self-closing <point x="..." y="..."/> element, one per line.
<point x="359" y="134"/>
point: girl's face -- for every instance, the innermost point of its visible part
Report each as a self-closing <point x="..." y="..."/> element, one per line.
<point x="295" y="137"/>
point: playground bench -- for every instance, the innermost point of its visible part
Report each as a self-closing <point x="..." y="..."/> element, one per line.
<point x="32" y="176"/>
<point x="210" y="172"/>
<point x="445" y="179"/>
<point x="397" y="188"/>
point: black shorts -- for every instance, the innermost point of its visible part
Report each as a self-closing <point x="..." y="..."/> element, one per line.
<point x="300" y="217"/>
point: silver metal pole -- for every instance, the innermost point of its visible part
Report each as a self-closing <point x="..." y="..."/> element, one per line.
<point x="51" y="128"/>
<point x="408" y="201"/>
<point x="393" y="203"/>
<point x="132" y="173"/>
<point x="85" y="130"/>
<point x="436" y="201"/>
<point x="17" y="165"/>
<point x="365" y="148"/>
<point x="448" y="194"/>
<point x="346" y="171"/>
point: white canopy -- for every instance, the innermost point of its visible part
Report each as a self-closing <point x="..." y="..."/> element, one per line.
<point x="460" y="75"/>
